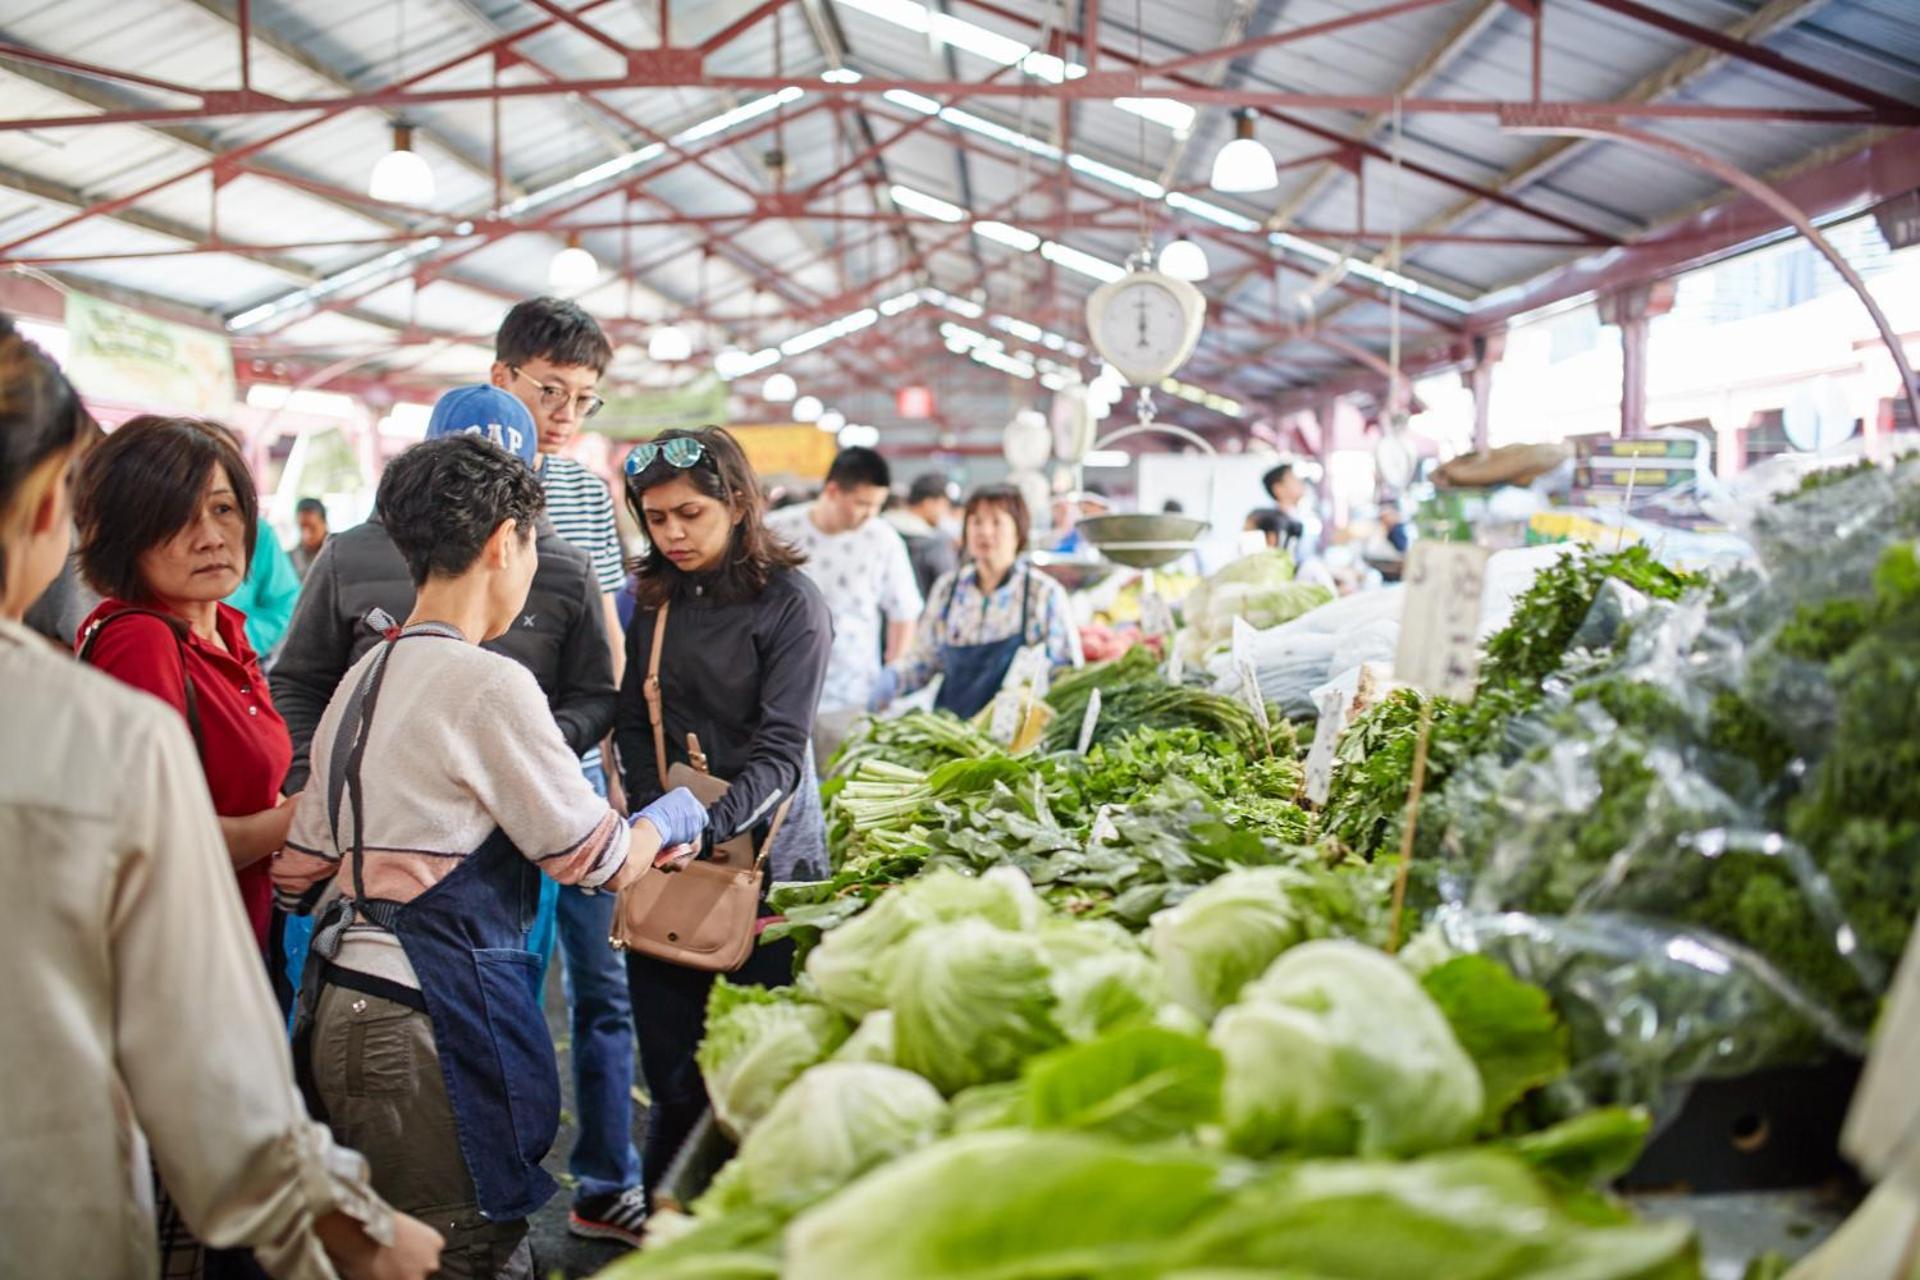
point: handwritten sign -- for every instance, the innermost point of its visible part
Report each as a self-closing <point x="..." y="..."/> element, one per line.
<point x="1156" y="615"/>
<point x="1025" y="684"/>
<point x="1176" y="660"/>
<point x="1090" y="721"/>
<point x="1439" y="629"/>
<point x="1332" y="704"/>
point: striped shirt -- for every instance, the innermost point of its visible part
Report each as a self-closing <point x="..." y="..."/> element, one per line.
<point x="581" y="508"/>
<point x="462" y="744"/>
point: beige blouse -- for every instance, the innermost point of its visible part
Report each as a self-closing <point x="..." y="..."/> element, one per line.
<point x="136" y="1013"/>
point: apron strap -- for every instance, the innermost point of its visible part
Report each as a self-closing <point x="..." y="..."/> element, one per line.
<point x="1026" y="598"/>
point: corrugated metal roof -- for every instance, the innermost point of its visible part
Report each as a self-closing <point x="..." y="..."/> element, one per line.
<point x="308" y="49"/>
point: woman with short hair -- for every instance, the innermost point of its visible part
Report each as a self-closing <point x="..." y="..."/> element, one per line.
<point x="979" y="616"/>
<point x="168" y="517"/>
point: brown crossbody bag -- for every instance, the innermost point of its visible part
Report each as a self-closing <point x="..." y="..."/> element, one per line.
<point x="702" y="916"/>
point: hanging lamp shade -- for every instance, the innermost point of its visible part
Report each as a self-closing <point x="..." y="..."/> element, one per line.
<point x="1244" y="164"/>
<point x="669" y="345"/>
<point x="402" y="176"/>
<point x="779" y="389"/>
<point x="1184" y="260"/>
<point x="808" y="409"/>
<point x="573" y="268"/>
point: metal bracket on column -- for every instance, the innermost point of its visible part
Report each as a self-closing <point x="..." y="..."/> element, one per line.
<point x="1569" y="123"/>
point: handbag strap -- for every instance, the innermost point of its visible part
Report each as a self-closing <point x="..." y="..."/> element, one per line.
<point x="190" y="697"/>
<point x="773" y="832"/>
<point x="652" y="691"/>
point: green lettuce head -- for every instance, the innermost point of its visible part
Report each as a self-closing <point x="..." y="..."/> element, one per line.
<point x="1338" y="1051"/>
<point x="758" y="1040"/>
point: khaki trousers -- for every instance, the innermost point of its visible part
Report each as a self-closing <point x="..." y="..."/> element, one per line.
<point x="378" y="1076"/>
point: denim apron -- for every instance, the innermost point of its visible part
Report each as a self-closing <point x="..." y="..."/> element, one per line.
<point x="465" y="938"/>
<point x="974" y="672"/>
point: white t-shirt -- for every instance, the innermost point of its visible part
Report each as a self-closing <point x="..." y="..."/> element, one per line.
<point x="864" y="574"/>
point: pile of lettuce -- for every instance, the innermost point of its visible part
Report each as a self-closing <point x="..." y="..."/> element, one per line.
<point x="1244" y="1090"/>
<point x="1259" y="588"/>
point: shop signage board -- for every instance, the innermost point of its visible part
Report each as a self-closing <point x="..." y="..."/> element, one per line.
<point x="645" y="413"/>
<point x="131" y="357"/>
<point x="800" y="450"/>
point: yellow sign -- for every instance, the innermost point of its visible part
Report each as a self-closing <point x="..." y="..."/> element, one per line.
<point x="116" y="353"/>
<point x="799" y="450"/>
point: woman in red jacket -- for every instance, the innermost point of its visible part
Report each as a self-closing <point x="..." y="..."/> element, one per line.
<point x="167" y="517"/>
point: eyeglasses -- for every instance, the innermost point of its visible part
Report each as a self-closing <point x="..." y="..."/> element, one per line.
<point x="552" y="398"/>
<point x="680" y="452"/>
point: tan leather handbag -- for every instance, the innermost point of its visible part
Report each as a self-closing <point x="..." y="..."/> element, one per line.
<point x="702" y="916"/>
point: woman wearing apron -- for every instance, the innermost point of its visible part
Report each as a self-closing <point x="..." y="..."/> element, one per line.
<point x="982" y="614"/>
<point x="744" y="638"/>
<point x="441" y="791"/>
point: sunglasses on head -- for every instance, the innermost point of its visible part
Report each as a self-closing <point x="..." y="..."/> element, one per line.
<point x="680" y="452"/>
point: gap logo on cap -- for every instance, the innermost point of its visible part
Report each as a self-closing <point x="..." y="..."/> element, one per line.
<point x="487" y="412"/>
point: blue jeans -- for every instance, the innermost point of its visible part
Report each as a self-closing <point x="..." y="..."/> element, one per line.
<point x="604" y="1160"/>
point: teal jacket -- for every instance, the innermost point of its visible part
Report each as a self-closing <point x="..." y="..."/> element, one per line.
<point x="268" y="594"/>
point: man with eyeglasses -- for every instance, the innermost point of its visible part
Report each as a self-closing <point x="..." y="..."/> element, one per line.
<point x="550" y="355"/>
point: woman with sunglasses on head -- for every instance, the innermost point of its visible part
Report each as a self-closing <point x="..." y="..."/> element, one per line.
<point x="741" y="658"/>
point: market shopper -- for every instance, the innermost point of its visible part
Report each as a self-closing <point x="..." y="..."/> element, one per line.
<point x="980" y="616"/>
<point x="169" y="526"/>
<point x="550" y="355"/>
<point x="139" y="1019"/>
<point x="441" y="791"/>
<point x="310" y="515"/>
<point x="743" y="639"/>
<point x="926" y="521"/>
<point x="862" y="568"/>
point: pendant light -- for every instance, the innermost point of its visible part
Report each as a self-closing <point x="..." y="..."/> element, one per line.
<point x="669" y="345"/>
<point x="573" y="268"/>
<point x="401" y="176"/>
<point x="832" y="420"/>
<point x="808" y="409"/>
<point x="1244" y="164"/>
<point x="1184" y="260"/>
<point x="779" y="389"/>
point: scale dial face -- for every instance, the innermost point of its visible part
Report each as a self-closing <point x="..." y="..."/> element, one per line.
<point x="1145" y="324"/>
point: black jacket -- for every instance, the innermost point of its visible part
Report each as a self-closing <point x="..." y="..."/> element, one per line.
<point x="746" y="679"/>
<point x="561" y="636"/>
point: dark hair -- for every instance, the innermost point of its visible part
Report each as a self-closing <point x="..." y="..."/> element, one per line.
<point x="1002" y="497"/>
<point x="142" y="486"/>
<point x="1094" y="489"/>
<point x="553" y="329"/>
<point x="311" y="507"/>
<point x="442" y="499"/>
<point x="1275" y="476"/>
<point x="723" y="474"/>
<point x="1268" y="520"/>
<point x="855" y="467"/>
<point x="41" y="417"/>
<point x="1173" y="507"/>
<point x="928" y="486"/>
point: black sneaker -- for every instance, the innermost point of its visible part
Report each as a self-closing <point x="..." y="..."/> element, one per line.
<point x="620" y="1215"/>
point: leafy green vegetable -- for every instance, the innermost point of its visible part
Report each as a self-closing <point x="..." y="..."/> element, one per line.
<point x="1591" y="1149"/>
<point x="1337" y="1050"/>
<point x="971" y="1003"/>
<point x="1476" y="1215"/>
<point x="1228" y="933"/>
<point x="1506" y="1026"/>
<point x="1007" y="1204"/>
<point x="854" y="965"/>
<point x="835" y="1122"/>
<point x="758" y="1040"/>
<point x="1139" y="1083"/>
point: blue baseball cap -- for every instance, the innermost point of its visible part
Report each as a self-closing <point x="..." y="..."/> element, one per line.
<point x="487" y="412"/>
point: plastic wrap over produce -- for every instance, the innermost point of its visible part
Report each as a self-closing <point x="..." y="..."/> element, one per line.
<point x="1294" y="659"/>
<point x="1710" y="818"/>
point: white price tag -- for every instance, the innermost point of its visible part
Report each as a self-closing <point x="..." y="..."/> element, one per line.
<point x="1176" y="660"/>
<point x="1243" y="642"/>
<point x="1156" y="615"/>
<point x="1103" y="831"/>
<point x="1332" y="704"/>
<point x="1439" y="630"/>
<point x="1090" y="721"/>
<point x="1026" y="683"/>
<point x="1007" y="707"/>
<point x="1030" y="669"/>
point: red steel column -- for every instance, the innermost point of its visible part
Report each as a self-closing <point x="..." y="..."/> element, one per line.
<point x="1632" y="309"/>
